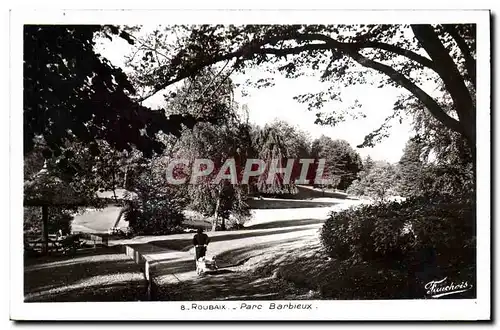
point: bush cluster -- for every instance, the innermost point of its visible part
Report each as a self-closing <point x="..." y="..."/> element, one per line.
<point x="154" y="216"/>
<point x="419" y="230"/>
<point x="157" y="209"/>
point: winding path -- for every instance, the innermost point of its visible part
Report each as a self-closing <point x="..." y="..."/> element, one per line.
<point x="272" y="233"/>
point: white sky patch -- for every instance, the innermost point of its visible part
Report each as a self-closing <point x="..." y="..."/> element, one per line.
<point x="276" y="102"/>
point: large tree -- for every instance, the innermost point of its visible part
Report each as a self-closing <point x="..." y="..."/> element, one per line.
<point x="217" y="199"/>
<point x="437" y="159"/>
<point x="413" y="169"/>
<point x="221" y="136"/>
<point x="425" y="171"/>
<point x="73" y="99"/>
<point x="342" y="162"/>
<point x="408" y="56"/>
<point x="296" y="141"/>
<point x="72" y="93"/>
<point x="378" y="183"/>
<point x="282" y="142"/>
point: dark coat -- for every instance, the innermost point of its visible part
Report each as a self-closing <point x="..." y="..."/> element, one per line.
<point x="201" y="239"/>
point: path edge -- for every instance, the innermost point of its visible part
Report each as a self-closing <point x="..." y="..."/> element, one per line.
<point x="147" y="267"/>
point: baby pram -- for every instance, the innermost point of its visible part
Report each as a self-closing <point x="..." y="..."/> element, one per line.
<point x="204" y="263"/>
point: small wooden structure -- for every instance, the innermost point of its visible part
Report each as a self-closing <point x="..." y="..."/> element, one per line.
<point x="45" y="190"/>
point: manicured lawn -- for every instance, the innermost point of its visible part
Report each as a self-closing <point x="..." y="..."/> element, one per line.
<point x="97" y="221"/>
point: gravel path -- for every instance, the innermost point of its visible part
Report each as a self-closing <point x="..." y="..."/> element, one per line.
<point x="230" y="285"/>
<point x="254" y="279"/>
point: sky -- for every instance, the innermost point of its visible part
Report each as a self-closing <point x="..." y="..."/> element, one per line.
<point x="270" y="103"/>
<point x="277" y="102"/>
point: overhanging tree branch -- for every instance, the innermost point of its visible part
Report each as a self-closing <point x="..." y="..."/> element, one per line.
<point x="293" y="50"/>
<point x="192" y="70"/>
<point x="400" y="51"/>
<point x="422" y="60"/>
<point x="247" y="51"/>
<point x="425" y="98"/>
<point x="334" y="44"/>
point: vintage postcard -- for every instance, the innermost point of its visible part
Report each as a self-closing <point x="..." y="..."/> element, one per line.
<point x="250" y="165"/>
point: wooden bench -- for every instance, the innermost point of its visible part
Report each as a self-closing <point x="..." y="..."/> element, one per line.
<point x="66" y="244"/>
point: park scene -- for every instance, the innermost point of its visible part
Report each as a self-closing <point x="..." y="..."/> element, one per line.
<point x="322" y="162"/>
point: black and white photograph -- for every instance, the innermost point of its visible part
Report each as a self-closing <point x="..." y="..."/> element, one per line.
<point x="241" y="165"/>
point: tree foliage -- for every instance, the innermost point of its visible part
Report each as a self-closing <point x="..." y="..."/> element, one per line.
<point x="436" y="159"/>
<point x="72" y="94"/>
<point x="75" y="101"/>
<point x="296" y="142"/>
<point x="157" y="207"/>
<point x="406" y="240"/>
<point x="279" y="141"/>
<point x="413" y="171"/>
<point x="407" y="56"/>
<point x="342" y="162"/>
<point x="59" y="219"/>
<point x="420" y="176"/>
<point x="218" y="144"/>
<point x="207" y="97"/>
<point x="379" y="182"/>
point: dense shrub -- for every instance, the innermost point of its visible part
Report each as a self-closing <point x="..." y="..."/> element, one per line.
<point x="409" y="243"/>
<point x="154" y="216"/>
<point x="399" y="231"/>
<point x="157" y="208"/>
<point x="377" y="182"/>
<point x="59" y="219"/>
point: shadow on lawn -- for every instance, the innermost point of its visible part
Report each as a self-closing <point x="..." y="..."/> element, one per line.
<point x="219" y="272"/>
<point x="228" y="286"/>
<point x="184" y="244"/>
<point x="164" y="267"/>
<point x="237" y="257"/>
<point x="55" y="259"/>
<point x="225" y="260"/>
<point x="91" y="275"/>
<point x="307" y="192"/>
<point x="286" y="223"/>
<point x="121" y="291"/>
<point x="256" y="204"/>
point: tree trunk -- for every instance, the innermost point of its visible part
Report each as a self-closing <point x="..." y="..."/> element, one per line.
<point x="214" y="224"/>
<point x="114" y="187"/>
<point x="216" y="213"/>
<point x="45" y="230"/>
<point x="125" y="178"/>
<point x="447" y="69"/>
<point x="119" y="217"/>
